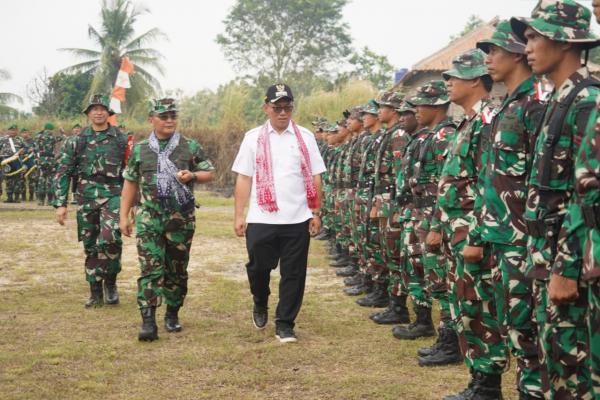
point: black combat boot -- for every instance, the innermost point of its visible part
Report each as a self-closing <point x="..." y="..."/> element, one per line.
<point x="365" y="286"/>
<point x="350" y="270"/>
<point x="9" y="198"/>
<point x="335" y="251"/>
<point x="50" y="198"/>
<point x="354" y="280"/>
<point x="445" y="351"/>
<point x="465" y="394"/>
<point x="396" y="313"/>
<point x="111" y="296"/>
<point x="41" y="198"/>
<point x="422" y="327"/>
<point x="487" y="386"/>
<point x="342" y="261"/>
<point x="149" y="331"/>
<point x="172" y="319"/>
<point x="323" y="235"/>
<point x="96" y="298"/>
<point x="377" y="298"/>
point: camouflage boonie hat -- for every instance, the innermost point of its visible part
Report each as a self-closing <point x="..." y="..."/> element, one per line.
<point x="371" y="107"/>
<point x="468" y="65"/>
<point x="560" y="21"/>
<point x="432" y="93"/>
<point x="406" y="107"/>
<point x="98" y="100"/>
<point x="161" y="106"/>
<point x="342" y="123"/>
<point x="390" y="99"/>
<point x="318" y="121"/>
<point x="505" y="38"/>
<point x="356" y="113"/>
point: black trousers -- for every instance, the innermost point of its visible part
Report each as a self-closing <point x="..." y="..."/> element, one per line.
<point x="286" y="245"/>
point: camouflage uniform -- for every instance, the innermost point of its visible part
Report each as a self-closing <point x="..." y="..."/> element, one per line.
<point x="46" y="143"/>
<point x="500" y="221"/>
<point x="30" y="175"/>
<point x="458" y="192"/>
<point x="14" y="182"/>
<point x="355" y="159"/>
<point x="563" y="336"/>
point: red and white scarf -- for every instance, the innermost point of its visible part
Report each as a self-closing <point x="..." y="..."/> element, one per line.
<point x="265" y="184"/>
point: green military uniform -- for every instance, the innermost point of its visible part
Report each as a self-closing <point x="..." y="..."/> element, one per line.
<point x="96" y="158"/>
<point x="329" y="157"/>
<point x="563" y="336"/>
<point x="46" y="143"/>
<point x="10" y="147"/>
<point x="165" y="223"/>
<point x="30" y="175"/>
<point x="458" y="192"/>
<point x="500" y="221"/>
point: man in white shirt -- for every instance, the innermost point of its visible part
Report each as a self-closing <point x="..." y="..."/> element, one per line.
<point x="278" y="167"/>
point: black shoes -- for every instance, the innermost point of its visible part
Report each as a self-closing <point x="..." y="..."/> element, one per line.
<point x="395" y="313"/>
<point x="377" y="298"/>
<point x="481" y="387"/>
<point x="350" y="270"/>
<point x="285" y="334"/>
<point x="96" y="297"/>
<point x="422" y="327"/>
<point x="260" y="316"/>
<point x="445" y="351"/>
<point x="111" y="296"/>
<point x="172" y="319"/>
<point x="149" y="330"/>
<point x="353" y="280"/>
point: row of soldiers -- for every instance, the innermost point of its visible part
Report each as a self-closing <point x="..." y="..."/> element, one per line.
<point x="495" y="216"/>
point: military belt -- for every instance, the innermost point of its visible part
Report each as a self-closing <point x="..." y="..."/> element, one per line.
<point x="103" y="179"/>
<point x="422" y="202"/>
<point x="591" y="215"/>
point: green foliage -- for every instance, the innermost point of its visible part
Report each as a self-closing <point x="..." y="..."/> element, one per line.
<point x="6" y="98"/>
<point x="473" y="22"/>
<point x="63" y="95"/>
<point x="115" y="40"/>
<point x="282" y="38"/>
<point x="372" y="67"/>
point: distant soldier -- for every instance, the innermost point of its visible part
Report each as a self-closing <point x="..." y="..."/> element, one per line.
<point x="164" y="168"/>
<point x="46" y="143"/>
<point x="75" y="131"/>
<point x="557" y="35"/>
<point x="96" y="156"/>
<point x="12" y="146"/>
<point x="31" y="174"/>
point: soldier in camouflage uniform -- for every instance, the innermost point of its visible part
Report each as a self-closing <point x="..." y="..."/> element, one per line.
<point x="96" y="157"/>
<point x="30" y="176"/>
<point x="327" y="210"/>
<point x="500" y="219"/>
<point x="165" y="218"/>
<point x="46" y="143"/>
<point x="556" y="36"/>
<point x="417" y="183"/>
<point x="458" y="192"/>
<point x="10" y="146"/>
<point x="340" y="194"/>
<point x="363" y="199"/>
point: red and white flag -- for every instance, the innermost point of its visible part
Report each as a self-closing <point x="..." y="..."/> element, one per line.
<point x="121" y="84"/>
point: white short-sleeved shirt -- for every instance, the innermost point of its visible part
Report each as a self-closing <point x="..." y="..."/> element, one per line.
<point x="287" y="174"/>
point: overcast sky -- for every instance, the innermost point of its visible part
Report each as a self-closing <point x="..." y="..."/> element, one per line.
<point x="406" y="31"/>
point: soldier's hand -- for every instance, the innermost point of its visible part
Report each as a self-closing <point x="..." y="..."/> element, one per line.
<point x="240" y="226"/>
<point x="433" y="240"/>
<point x="473" y="254"/>
<point x="562" y="290"/>
<point x="126" y="226"/>
<point x="314" y="226"/>
<point x="61" y="215"/>
<point x="184" y="176"/>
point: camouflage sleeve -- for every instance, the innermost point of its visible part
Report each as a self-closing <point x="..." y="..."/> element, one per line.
<point x="200" y="161"/>
<point x="132" y="169"/>
<point x="475" y="217"/>
<point x="568" y="262"/>
<point x="66" y="166"/>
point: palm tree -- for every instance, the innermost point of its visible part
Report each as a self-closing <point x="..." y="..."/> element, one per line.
<point x="6" y="97"/>
<point x="116" y="39"/>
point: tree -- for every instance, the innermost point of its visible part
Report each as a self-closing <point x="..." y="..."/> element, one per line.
<point x="116" y="39"/>
<point x="61" y="94"/>
<point x="280" y="38"/>
<point x="473" y="22"/>
<point x="372" y="67"/>
<point x="6" y="98"/>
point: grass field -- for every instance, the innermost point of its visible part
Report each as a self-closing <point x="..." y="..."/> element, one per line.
<point x="53" y="348"/>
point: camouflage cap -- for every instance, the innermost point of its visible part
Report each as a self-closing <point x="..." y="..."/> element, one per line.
<point x="406" y="107"/>
<point x="560" y="21"/>
<point x="356" y="113"/>
<point x="24" y="130"/>
<point x="330" y="128"/>
<point x="99" y="100"/>
<point x="371" y="107"/>
<point x="76" y="126"/>
<point x="318" y="121"/>
<point x="11" y="127"/>
<point x="48" y="126"/>
<point x="468" y="65"/>
<point x="390" y="99"/>
<point x="505" y="38"/>
<point x="432" y="93"/>
<point x="342" y="123"/>
<point x="160" y="106"/>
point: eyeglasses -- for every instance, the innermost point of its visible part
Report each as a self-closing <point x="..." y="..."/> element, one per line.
<point x="167" y="116"/>
<point x="279" y="109"/>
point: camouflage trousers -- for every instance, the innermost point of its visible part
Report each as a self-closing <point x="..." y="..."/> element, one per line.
<point x="163" y="244"/>
<point x="98" y="229"/>
<point x="412" y="257"/>
<point x="349" y="223"/>
<point x="365" y="229"/>
<point x="31" y="182"/>
<point x="593" y="323"/>
<point x="44" y="182"/>
<point x="477" y="326"/>
<point x="15" y="184"/>
<point x="327" y="209"/>
<point x="514" y="305"/>
<point x="562" y="332"/>
<point x="340" y="218"/>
